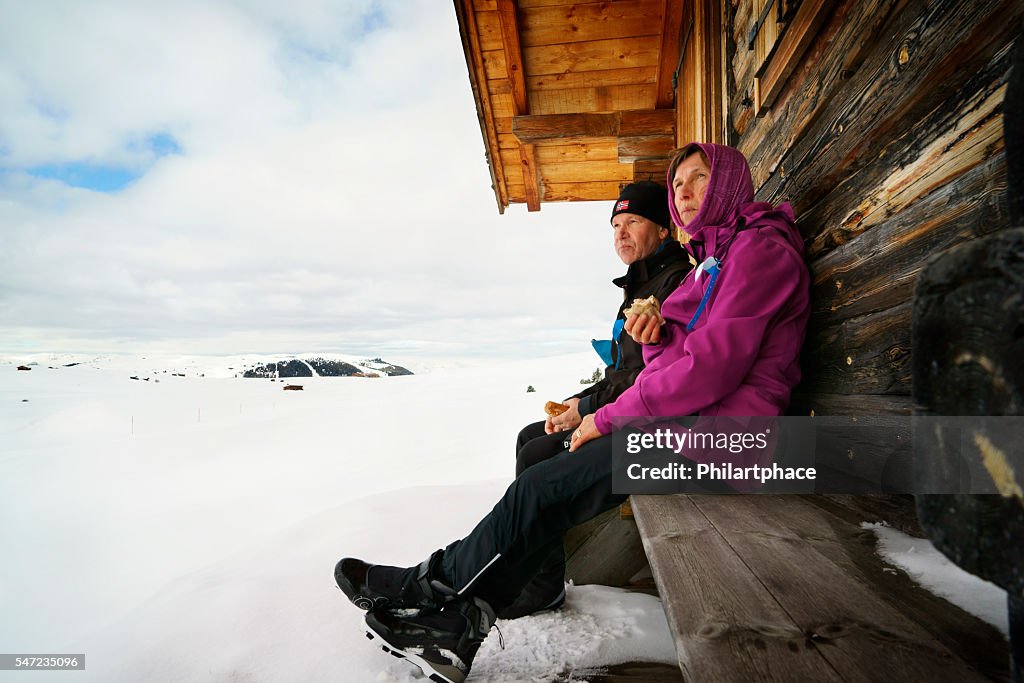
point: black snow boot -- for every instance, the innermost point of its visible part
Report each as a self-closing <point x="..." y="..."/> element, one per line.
<point x="545" y="592"/>
<point x="442" y="643"/>
<point x="533" y="600"/>
<point x="382" y="587"/>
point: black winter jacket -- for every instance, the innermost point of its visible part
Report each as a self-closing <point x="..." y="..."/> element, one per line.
<point x="657" y="275"/>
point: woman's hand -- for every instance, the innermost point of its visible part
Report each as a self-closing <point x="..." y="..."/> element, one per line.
<point x="644" y="329"/>
<point x="587" y="431"/>
<point x="570" y="419"/>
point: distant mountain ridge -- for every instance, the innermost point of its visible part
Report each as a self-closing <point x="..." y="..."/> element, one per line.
<point x="324" y="367"/>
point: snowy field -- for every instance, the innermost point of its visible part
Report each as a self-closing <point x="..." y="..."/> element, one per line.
<point x="185" y="528"/>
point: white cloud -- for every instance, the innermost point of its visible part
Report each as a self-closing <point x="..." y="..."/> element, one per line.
<point x="331" y="190"/>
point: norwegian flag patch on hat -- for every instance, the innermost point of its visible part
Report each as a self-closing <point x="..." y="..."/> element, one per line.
<point x="647" y="199"/>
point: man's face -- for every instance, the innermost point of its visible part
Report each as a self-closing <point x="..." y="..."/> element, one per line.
<point x="636" y="237"/>
<point x="689" y="185"/>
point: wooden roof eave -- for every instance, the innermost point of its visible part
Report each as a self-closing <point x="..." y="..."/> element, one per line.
<point x="484" y="110"/>
<point x="522" y="121"/>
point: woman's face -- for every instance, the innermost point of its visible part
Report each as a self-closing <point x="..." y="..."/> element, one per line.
<point x="689" y="185"/>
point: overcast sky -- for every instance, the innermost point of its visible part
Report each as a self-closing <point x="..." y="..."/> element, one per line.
<point x="265" y="177"/>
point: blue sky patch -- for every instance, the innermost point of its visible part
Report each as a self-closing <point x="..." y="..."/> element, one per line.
<point x="163" y="144"/>
<point x="100" y="177"/>
<point x="88" y="176"/>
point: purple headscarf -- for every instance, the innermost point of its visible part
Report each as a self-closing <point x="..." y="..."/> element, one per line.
<point x="729" y="196"/>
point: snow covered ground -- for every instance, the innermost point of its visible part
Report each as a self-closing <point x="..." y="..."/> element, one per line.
<point x="185" y="528"/>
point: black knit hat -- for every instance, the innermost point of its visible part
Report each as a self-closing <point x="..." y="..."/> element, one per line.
<point x="645" y="198"/>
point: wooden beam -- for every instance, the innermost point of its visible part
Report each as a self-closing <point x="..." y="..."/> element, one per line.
<point x="488" y="26"/>
<point x="587" y="171"/>
<point x="587" y="99"/>
<point x="809" y="18"/>
<point x="513" y="52"/>
<point x="555" y="126"/>
<point x="557" y="151"/>
<point x="651" y="169"/>
<point x="582" y="22"/>
<point x="528" y="157"/>
<point x="626" y="123"/>
<point x="593" y="55"/>
<point x="517" y="80"/>
<point x="647" y="122"/>
<point x="582" y="192"/>
<point x="592" y="79"/>
<point x="701" y="96"/>
<point x="466" y="16"/>
<point x="494" y="65"/>
<point x="670" y="46"/>
<point x="642" y="147"/>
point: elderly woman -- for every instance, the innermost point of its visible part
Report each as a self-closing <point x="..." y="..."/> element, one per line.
<point x="730" y="336"/>
<point x="726" y="343"/>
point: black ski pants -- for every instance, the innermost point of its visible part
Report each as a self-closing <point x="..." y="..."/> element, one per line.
<point x="549" y="497"/>
<point x="534" y="446"/>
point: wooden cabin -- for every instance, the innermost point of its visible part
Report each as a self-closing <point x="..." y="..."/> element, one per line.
<point x="881" y="122"/>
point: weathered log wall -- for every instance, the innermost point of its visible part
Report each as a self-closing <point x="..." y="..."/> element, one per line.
<point x="888" y="140"/>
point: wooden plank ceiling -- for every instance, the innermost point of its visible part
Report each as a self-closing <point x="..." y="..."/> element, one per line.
<point x="575" y="99"/>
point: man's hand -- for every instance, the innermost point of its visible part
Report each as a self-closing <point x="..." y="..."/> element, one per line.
<point x="644" y="329"/>
<point x="568" y="420"/>
<point x="587" y="431"/>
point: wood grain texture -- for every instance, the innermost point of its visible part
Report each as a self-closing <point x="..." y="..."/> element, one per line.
<point x="869" y="354"/>
<point x="592" y="55"/>
<point x="531" y="180"/>
<point x="536" y="128"/>
<point x="849" y="404"/>
<point x="878" y="269"/>
<point x="927" y="157"/>
<point x="558" y="24"/>
<point x="727" y="627"/>
<point x="478" y="76"/>
<point x="810" y="16"/>
<point x="593" y="99"/>
<point x="887" y="139"/>
<point x="700" y="98"/>
<point x="595" y="149"/>
<point x="592" y="79"/>
<point x="644" y="147"/>
<point x="926" y="55"/>
<point x="513" y="54"/>
<point x="655" y="170"/>
<point x="838" y="535"/>
<point x="591" y="171"/>
<point x="582" y="191"/>
<point x="811" y="605"/>
<point x="671" y="44"/>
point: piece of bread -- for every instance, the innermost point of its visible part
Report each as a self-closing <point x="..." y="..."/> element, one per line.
<point x="555" y="409"/>
<point x="648" y="306"/>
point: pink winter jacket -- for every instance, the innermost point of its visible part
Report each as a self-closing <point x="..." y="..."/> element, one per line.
<point x="742" y="355"/>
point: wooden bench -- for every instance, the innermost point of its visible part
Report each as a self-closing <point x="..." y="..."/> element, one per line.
<point x="790" y="588"/>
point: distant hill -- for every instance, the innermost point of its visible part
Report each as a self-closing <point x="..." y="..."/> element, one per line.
<point x="324" y="367"/>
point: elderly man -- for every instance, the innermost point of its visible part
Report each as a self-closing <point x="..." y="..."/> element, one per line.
<point x="656" y="264"/>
